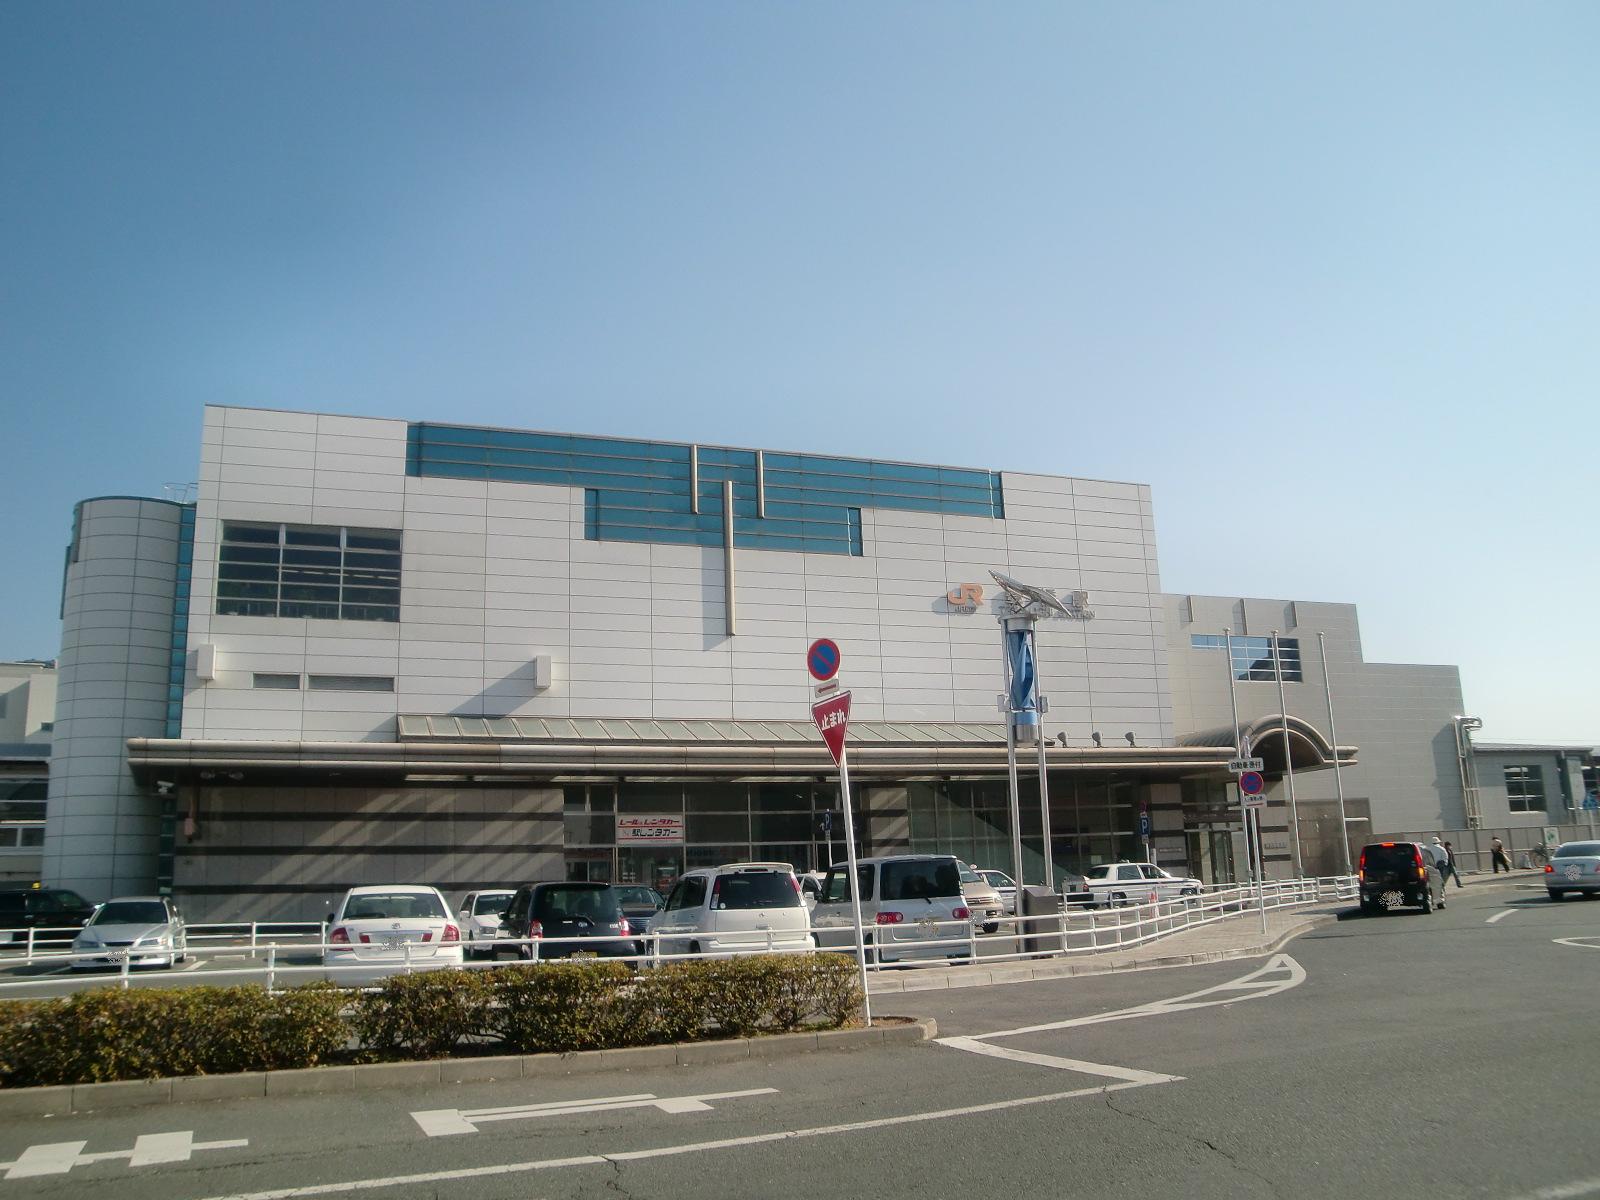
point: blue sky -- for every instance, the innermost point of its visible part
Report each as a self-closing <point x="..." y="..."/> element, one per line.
<point x="1324" y="276"/>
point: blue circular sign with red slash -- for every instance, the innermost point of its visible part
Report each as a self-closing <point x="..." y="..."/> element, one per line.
<point x="822" y="660"/>
<point x="1252" y="784"/>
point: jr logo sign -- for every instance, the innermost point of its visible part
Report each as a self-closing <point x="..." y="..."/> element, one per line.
<point x="968" y="597"/>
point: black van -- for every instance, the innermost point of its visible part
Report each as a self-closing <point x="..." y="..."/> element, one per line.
<point x="1396" y="873"/>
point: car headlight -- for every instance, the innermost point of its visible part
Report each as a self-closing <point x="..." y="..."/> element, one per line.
<point x="86" y="941"/>
<point x="155" y="939"/>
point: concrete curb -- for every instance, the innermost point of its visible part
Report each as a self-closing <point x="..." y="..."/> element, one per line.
<point x="1030" y="972"/>
<point x="90" y="1097"/>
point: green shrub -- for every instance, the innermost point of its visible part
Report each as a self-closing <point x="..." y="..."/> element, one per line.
<point x="145" y="1033"/>
<point x="560" y="1006"/>
<point x="148" y="1033"/>
<point x="427" y="1015"/>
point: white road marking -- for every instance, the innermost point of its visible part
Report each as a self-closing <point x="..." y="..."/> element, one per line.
<point x="448" y="1122"/>
<point x="1278" y="975"/>
<point x="1500" y="916"/>
<point x="1564" y="1191"/>
<point x="1126" y="1074"/>
<point x="150" y="1149"/>
<point x="1578" y="943"/>
<point x="584" y="1160"/>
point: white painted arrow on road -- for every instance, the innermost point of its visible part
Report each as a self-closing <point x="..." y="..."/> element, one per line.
<point x="57" y="1158"/>
<point x="450" y="1122"/>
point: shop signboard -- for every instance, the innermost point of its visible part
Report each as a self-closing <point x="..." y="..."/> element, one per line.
<point x="663" y="830"/>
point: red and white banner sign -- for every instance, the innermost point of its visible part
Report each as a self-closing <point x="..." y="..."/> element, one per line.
<point x="667" y="830"/>
<point x="832" y="719"/>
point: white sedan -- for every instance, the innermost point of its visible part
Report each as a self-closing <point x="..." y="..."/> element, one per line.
<point x="379" y="931"/>
<point x="1136" y="883"/>
<point x="480" y="920"/>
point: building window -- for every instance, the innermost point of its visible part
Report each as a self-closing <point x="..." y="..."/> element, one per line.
<point x="21" y="837"/>
<point x="282" y="683"/>
<point x="1525" y="789"/>
<point x="1252" y="656"/>
<point x="352" y="683"/>
<point x="319" y="571"/>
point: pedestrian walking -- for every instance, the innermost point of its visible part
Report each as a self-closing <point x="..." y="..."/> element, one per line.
<point x="1441" y="865"/>
<point x="1497" y="854"/>
<point x="1450" y="867"/>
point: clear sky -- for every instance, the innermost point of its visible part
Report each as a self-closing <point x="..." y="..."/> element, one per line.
<point x="1326" y="276"/>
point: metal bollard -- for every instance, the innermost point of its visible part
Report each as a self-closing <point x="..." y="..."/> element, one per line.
<point x="253" y="928"/>
<point x="1094" y="940"/>
<point x="127" y="963"/>
<point x="272" y="968"/>
<point x="30" y="943"/>
<point x="408" y="955"/>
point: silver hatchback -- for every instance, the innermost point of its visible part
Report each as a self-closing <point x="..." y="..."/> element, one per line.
<point x="1574" y="867"/>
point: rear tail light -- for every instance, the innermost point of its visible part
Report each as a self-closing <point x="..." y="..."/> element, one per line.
<point x="889" y="918"/>
<point x="452" y="933"/>
<point x="427" y="936"/>
<point x="1597" y="868"/>
<point x="535" y="929"/>
<point x="716" y="892"/>
<point x="1549" y="869"/>
<point x="962" y="913"/>
<point x="623" y="927"/>
<point x="795" y="884"/>
<point x="340" y="936"/>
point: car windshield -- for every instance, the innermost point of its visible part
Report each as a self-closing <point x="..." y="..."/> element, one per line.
<point x="968" y="875"/>
<point x="490" y="902"/>
<point x="997" y="879"/>
<point x="756" y="889"/>
<point x="131" y="912"/>
<point x="1579" y="850"/>
<point x="384" y="906"/>
<point x="574" y="903"/>
<point x="640" y="896"/>
<point x="926" y="880"/>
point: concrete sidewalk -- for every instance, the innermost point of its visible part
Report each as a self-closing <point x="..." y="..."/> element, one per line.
<point x="1234" y="937"/>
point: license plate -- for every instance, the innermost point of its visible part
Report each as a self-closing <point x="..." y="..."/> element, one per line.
<point x="116" y="956"/>
<point x="1573" y="872"/>
<point x="584" y="954"/>
<point x="925" y="927"/>
<point x="392" y="943"/>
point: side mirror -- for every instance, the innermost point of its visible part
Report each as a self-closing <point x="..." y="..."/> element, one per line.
<point x="86" y="920"/>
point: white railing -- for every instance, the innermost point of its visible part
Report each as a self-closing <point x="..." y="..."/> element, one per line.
<point x="288" y="957"/>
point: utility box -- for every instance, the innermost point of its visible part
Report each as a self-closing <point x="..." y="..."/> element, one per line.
<point x="1041" y="936"/>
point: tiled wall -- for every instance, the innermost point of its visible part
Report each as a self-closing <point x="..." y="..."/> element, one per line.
<point x="496" y="573"/>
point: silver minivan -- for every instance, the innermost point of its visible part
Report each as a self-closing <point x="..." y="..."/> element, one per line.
<point x="911" y="908"/>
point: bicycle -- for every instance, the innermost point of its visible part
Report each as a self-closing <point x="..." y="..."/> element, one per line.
<point x="1539" y="856"/>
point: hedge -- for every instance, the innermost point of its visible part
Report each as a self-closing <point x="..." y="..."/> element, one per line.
<point x="147" y="1033"/>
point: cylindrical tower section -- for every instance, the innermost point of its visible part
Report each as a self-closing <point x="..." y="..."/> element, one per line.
<point x="102" y="831"/>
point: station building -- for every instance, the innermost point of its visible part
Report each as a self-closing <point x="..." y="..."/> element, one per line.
<point x="381" y="650"/>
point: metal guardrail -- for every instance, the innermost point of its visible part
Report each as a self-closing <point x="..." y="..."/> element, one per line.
<point x="1071" y="931"/>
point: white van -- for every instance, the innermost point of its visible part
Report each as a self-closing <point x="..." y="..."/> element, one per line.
<point x="740" y="908"/>
<point x="907" y="902"/>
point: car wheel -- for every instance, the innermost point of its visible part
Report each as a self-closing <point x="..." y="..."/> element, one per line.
<point x="1555" y="895"/>
<point x="1118" y="899"/>
<point x="694" y="947"/>
<point x="991" y="926"/>
<point x="1589" y="895"/>
<point x="1427" y="901"/>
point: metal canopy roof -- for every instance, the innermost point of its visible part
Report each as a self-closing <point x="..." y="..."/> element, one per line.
<point x="430" y="728"/>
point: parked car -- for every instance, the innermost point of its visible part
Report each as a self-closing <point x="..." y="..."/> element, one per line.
<point x="480" y="920"/>
<point x="56" y="915"/>
<point x="911" y="907"/>
<point x="1396" y="873"/>
<point x="143" y="931"/>
<point x="1075" y="892"/>
<point x="1136" y="883"/>
<point x="734" y="909"/>
<point x="387" y="928"/>
<point x="592" y="912"/>
<point x="982" y="898"/>
<point x="1004" y="884"/>
<point x="1575" y="867"/>
<point x="640" y="904"/>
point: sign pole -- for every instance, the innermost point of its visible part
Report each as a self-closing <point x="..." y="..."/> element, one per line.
<point x="1257" y="865"/>
<point x="1011" y="763"/>
<point x="855" y="881"/>
<point x="1288" y="762"/>
<point x="1333" y="736"/>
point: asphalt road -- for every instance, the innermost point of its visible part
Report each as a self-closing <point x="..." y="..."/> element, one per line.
<point x="1383" y="1056"/>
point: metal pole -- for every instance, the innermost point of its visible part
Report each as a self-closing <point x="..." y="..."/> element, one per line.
<point x="1044" y="778"/>
<point x="855" y="881"/>
<point x="1255" y="862"/>
<point x="1011" y="764"/>
<point x="1288" y="761"/>
<point x="1333" y="734"/>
